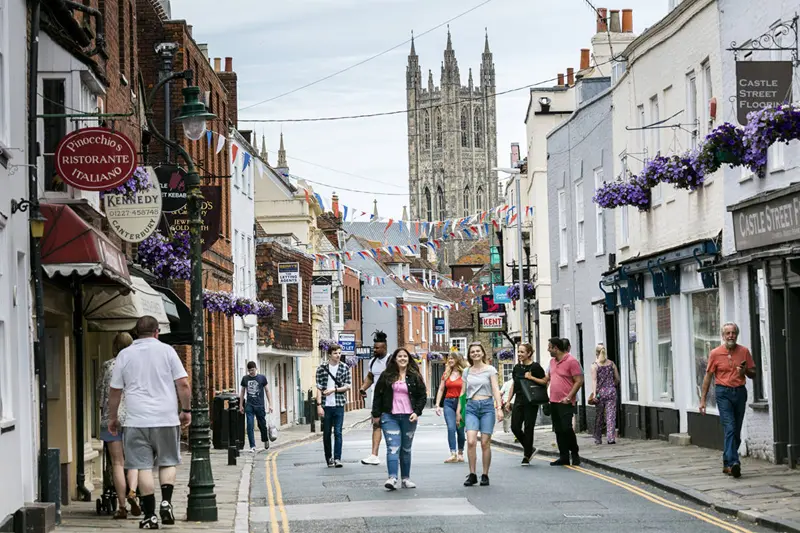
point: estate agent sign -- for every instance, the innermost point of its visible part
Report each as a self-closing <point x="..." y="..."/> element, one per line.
<point x="135" y="217"/>
<point x="761" y="84"/>
<point x="772" y="222"/>
<point x="95" y="159"/>
<point x="288" y="273"/>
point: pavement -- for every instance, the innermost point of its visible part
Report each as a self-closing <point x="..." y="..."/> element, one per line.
<point x="766" y="494"/>
<point x="231" y="488"/>
<point x="292" y="490"/>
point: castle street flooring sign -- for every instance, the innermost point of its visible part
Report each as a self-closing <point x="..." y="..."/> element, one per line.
<point x="761" y="84"/>
<point x="95" y="159"/>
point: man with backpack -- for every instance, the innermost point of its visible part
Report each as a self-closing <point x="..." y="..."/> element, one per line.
<point x="333" y="382"/>
<point x="376" y="367"/>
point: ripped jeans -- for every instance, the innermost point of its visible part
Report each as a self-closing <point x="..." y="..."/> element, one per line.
<point x="399" y="434"/>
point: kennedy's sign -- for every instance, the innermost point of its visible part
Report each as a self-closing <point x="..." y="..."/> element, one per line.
<point x="135" y="217"/>
<point x="771" y="222"/>
<point x="761" y="84"/>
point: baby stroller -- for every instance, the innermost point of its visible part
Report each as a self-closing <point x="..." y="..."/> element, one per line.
<point x="107" y="502"/>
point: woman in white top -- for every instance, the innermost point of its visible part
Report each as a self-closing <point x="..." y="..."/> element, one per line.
<point x="484" y="408"/>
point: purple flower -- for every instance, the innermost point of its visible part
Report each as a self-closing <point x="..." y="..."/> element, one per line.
<point x="766" y="127"/>
<point x="351" y="360"/>
<point x="167" y="259"/>
<point x="325" y="344"/>
<point x="513" y="291"/>
<point x="506" y="355"/>
<point x="139" y="181"/>
<point x="230" y="305"/>
<point x="725" y="138"/>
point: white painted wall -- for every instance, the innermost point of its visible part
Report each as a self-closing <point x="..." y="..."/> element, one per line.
<point x="18" y="415"/>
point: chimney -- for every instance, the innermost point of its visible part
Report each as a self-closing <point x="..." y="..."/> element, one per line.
<point x="334" y="199"/>
<point x="585" y="58"/>
<point x="228" y="64"/>
<point x="560" y="79"/>
<point x="514" y="155"/>
<point x="203" y="49"/>
<point x="627" y="21"/>
<point x="217" y="63"/>
<point x="614" y="25"/>
<point x="602" y="22"/>
<point x="570" y="77"/>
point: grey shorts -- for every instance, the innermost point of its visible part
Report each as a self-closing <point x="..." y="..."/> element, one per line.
<point x="146" y="448"/>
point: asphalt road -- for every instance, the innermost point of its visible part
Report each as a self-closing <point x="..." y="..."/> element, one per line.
<point x="303" y="495"/>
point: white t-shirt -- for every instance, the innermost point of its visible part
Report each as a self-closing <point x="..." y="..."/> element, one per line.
<point x="377" y="366"/>
<point x="330" y="400"/>
<point x="146" y="371"/>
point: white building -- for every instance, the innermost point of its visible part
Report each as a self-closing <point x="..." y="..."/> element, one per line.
<point x="18" y="429"/>
<point x="669" y="314"/>
<point x="243" y="179"/>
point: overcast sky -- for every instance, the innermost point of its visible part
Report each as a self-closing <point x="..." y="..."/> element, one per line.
<point x="280" y="46"/>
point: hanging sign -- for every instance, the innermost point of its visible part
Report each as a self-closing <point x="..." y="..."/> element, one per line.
<point x="767" y="223"/>
<point x="136" y="217"/>
<point x="438" y="326"/>
<point x="95" y="159"/>
<point x="171" y="178"/>
<point x="211" y="214"/>
<point x="348" y="343"/>
<point x="364" y="352"/>
<point x="492" y="321"/>
<point x="288" y="273"/>
<point x="500" y="294"/>
<point x="761" y="84"/>
<point x="321" y="295"/>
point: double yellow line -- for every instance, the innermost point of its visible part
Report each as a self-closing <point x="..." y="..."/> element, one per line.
<point x="275" y="493"/>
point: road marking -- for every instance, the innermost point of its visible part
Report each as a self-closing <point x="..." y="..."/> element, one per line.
<point x="415" y="507"/>
<point x="710" y="519"/>
<point x="272" y="516"/>
<point x="277" y="502"/>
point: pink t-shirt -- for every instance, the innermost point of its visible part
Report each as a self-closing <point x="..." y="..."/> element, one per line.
<point x="561" y="374"/>
<point x="401" y="402"/>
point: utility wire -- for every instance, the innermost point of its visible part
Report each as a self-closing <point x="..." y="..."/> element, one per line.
<point x="372" y="180"/>
<point x="433" y="192"/>
<point x="287" y="93"/>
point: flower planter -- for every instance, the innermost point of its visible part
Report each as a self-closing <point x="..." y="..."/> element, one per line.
<point x="723" y="155"/>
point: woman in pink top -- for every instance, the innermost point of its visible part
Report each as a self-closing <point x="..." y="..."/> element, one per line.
<point x="400" y="396"/>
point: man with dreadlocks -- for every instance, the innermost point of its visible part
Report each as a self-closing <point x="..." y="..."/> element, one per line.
<point x="376" y="367"/>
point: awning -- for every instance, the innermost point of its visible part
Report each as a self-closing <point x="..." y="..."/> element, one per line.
<point x="70" y="246"/>
<point x="280" y="352"/>
<point x="109" y="309"/>
<point x="180" y="317"/>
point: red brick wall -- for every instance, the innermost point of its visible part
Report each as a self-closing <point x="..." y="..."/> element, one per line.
<point x="352" y="295"/>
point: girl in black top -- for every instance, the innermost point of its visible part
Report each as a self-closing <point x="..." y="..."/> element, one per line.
<point x="524" y="413"/>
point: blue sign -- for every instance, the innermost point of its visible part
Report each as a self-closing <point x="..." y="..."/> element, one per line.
<point x="438" y="326"/>
<point x="364" y="352"/>
<point x="500" y="294"/>
<point x="348" y="343"/>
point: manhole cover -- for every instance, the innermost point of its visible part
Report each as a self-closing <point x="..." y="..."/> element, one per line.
<point x="758" y="491"/>
<point x="580" y="506"/>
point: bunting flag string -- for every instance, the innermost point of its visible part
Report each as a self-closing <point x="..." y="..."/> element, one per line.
<point x="423" y="308"/>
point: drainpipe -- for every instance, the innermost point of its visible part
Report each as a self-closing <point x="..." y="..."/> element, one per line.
<point x="77" y="329"/>
<point x="100" y="38"/>
<point x="64" y="16"/>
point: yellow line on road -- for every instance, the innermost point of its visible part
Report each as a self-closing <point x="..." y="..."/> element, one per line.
<point x="272" y="516"/>
<point x="275" y="496"/>
<point x="710" y="519"/>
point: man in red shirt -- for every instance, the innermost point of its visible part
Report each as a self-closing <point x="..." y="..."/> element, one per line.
<point x="730" y="364"/>
<point x="565" y="377"/>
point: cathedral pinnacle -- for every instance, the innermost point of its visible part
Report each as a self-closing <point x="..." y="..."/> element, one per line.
<point x="264" y="153"/>
<point x="413" y="50"/>
<point x="449" y="40"/>
<point x="282" y="155"/>
<point x="486" y="46"/>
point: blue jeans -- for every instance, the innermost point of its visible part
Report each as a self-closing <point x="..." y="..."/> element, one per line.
<point x="480" y="416"/>
<point x="731" y="403"/>
<point x="333" y="420"/>
<point x="258" y="413"/>
<point x="453" y="431"/>
<point x="399" y="434"/>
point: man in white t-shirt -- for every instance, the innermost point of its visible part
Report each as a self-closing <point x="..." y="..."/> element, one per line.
<point x="149" y="372"/>
<point x="376" y="367"/>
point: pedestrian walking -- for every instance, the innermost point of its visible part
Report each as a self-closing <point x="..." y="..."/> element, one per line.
<point x="565" y="377"/>
<point x="525" y="411"/>
<point x="484" y="408"/>
<point x="153" y="379"/>
<point x="251" y="403"/>
<point x="376" y="367"/>
<point x="400" y="396"/>
<point x="450" y="386"/>
<point x="505" y="396"/>
<point x="729" y="364"/>
<point x="333" y="382"/>
<point x="124" y="488"/>
<point x="605" y="380"/>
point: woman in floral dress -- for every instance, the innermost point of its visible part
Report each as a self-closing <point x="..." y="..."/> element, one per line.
<point x="605" y="378"/>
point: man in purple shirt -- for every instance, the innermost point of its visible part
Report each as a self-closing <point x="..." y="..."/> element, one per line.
<point x="565" y="377"/>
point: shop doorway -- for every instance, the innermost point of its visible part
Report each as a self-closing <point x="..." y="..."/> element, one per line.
<point x="784" y="313"/>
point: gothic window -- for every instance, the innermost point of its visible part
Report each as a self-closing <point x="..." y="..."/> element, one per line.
<point x="439" y="128"/>
<point x="427" y="126"/>
<point x="466" y="201"/>
<point x="479" y="200"/>
<point x="440" y="202"/>
<point x="464" y="128"/>
<point x="478" y="128"/>
<point x="428" y="209"/>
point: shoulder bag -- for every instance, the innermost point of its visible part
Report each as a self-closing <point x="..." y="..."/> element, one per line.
<point x="462" y="400"/>
<point x="533" y="392"/>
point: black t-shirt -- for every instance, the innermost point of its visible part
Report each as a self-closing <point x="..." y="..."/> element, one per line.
<point x="518" y="374"/>
<point x="254" y="388"/>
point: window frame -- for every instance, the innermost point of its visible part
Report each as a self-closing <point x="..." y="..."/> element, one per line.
<point x="655" y="139"/>
<point x="691" y="108"/>
<point x="599" y="218"/>
<point x="464" y="128"/>
<point x="708" y="94"/>
<point x="580" y="222"/>
<point x="478" y="127"/>
<point x="410" y="324"/>
<point x="563" y="256"/>
<point x="712" y="342"/>
<point x="566" y="321"/>
<point x="466" y="201"/>
<point x="5" y="82"/>
<point x="667" y="397"/>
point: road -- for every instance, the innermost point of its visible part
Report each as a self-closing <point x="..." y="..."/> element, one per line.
<point x="303" y="495"/>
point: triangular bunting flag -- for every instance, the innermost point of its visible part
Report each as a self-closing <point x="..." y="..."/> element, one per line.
<point x="234" y="152"/>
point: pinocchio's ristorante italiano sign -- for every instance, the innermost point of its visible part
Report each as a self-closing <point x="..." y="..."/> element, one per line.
<point x="95" y="159"/>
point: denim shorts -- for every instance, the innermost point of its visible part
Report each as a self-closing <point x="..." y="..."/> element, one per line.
<point x="480" y="416"/>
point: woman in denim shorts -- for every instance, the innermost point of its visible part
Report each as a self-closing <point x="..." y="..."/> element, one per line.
<point x="484" y="408"/>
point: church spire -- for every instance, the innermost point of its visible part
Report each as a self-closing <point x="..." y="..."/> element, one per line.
<point x="413" y="72"/>
<point x="486" y="45"/>
<point x="450" y="75"/>
<point x="264" y="153"/>
<point x="487" y="65"/>
<point x="282" y="155"/>
<point x="413" y="50"/>
<point x="449" y="40"/>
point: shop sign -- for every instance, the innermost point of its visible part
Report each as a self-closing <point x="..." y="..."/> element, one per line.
<point x="348" y="343"/>
<point x="172" y="180"/>
<point x="211" y="215"/>
<point x="500" y="294"/>
<point x="95" y="159"/>
<point x="767" y="223"/>
<point x="761" y="84"/>
<point x="288" y="273"/>
<point x="321" y="295"/>
<point x="438" y="326"/>
<point x="364" y="352"/>
<point x="134" y="217"/>
<point x="492" y="321"/>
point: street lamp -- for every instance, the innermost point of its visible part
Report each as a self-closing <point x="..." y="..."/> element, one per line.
<point x="36" y="219"/>
<point x="202" y="502"/>
<point x="516" y="172"/>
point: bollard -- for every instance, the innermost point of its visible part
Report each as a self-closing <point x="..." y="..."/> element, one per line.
<point x="313" y="411"/>
<point x="233" y="443"/>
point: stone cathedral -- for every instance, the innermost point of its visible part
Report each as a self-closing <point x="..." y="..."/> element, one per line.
<point x="452" y="141"/>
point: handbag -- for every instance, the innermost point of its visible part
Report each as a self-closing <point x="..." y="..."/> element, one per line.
<point x="533" y="392"/>
<point x="462" y="400"/>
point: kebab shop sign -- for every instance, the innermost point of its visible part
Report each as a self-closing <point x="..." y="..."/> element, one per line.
<point x="95" y="159"/>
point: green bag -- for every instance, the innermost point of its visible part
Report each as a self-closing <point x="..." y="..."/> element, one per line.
<point x="462" y="400"/>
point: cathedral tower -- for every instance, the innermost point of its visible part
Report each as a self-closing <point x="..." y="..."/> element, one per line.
<point x="452" y="138"/>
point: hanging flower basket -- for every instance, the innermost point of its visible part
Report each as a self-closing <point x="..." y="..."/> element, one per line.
<point x="724" y="145"/>
<point x="505" y="355"/>
<point x="638" y="195"/>
<point x="680" y="171"/>
<point x="351" y="361"/>
<point x="164" y="257"/>
<point x="325" y="344"/>
<point x="766" y="127"/>
<point x="434" y="356"/>
<point x="611" y="194"/>
<point x="513" y="291"/>
<point x="138" y="182"/>
<point x="230" y="305"/>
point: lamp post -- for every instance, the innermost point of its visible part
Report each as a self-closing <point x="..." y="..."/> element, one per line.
<point x="516" y="172"/>
<point x="202" y="502"/>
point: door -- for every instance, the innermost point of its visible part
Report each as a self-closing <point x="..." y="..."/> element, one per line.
<point x="614" y="354"/>
<point x="582" y="425"/>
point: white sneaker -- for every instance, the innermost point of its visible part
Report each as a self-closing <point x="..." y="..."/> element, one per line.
<point x="391" y="483"/>
<point x="371" y="460"/>
<point x="253" y="449"/>
<point x="408" y="484"/>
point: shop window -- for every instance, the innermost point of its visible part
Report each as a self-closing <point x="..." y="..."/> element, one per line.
<point x="705" y="324"/>
<point x="633" y="377"/>
<point x="54" y="129"/>
<point x="662" y="351"/>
